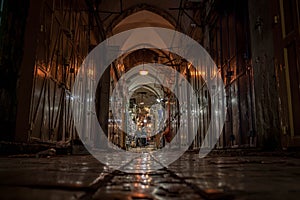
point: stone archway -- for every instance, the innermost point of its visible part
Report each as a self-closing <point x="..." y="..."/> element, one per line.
<point x="163" y="18"/>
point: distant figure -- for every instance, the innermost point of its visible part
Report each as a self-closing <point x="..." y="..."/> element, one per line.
<point x="165" y="136"/>
<point x="232" y="138"/>
<point x="133" y="142"/>
<point x="168" y="134"/>
<point x="127" y="142"/>
<point x="139" y="142"/>
<point x="116" y="139"/>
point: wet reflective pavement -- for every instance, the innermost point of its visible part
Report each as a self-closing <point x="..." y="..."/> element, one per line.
<point x="83" y="177"/>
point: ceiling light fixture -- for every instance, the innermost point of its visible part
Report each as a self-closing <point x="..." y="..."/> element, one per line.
<point x="143" y="71"/>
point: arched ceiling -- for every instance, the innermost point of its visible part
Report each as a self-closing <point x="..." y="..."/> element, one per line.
<point x="142" y="18"/>
<point x="145" y="94"/>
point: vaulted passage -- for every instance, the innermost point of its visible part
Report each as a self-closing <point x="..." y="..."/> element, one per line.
<point x="149" y="88"/>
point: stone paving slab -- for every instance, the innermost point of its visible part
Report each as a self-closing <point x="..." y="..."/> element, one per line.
<point x="257" y="177"/>
<point x="83" y="177"/>
<point x="25" y="193"/>
<point x="146" y="187"/>
<point x="69" y="172"/>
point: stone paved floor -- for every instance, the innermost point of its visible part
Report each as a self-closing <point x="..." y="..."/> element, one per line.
<point x="83" y="177"/>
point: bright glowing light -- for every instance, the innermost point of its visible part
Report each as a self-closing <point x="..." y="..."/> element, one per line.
<point x="143" y="72"/>
<point x="198" y="73"/>
<point x="90" y="72"/>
